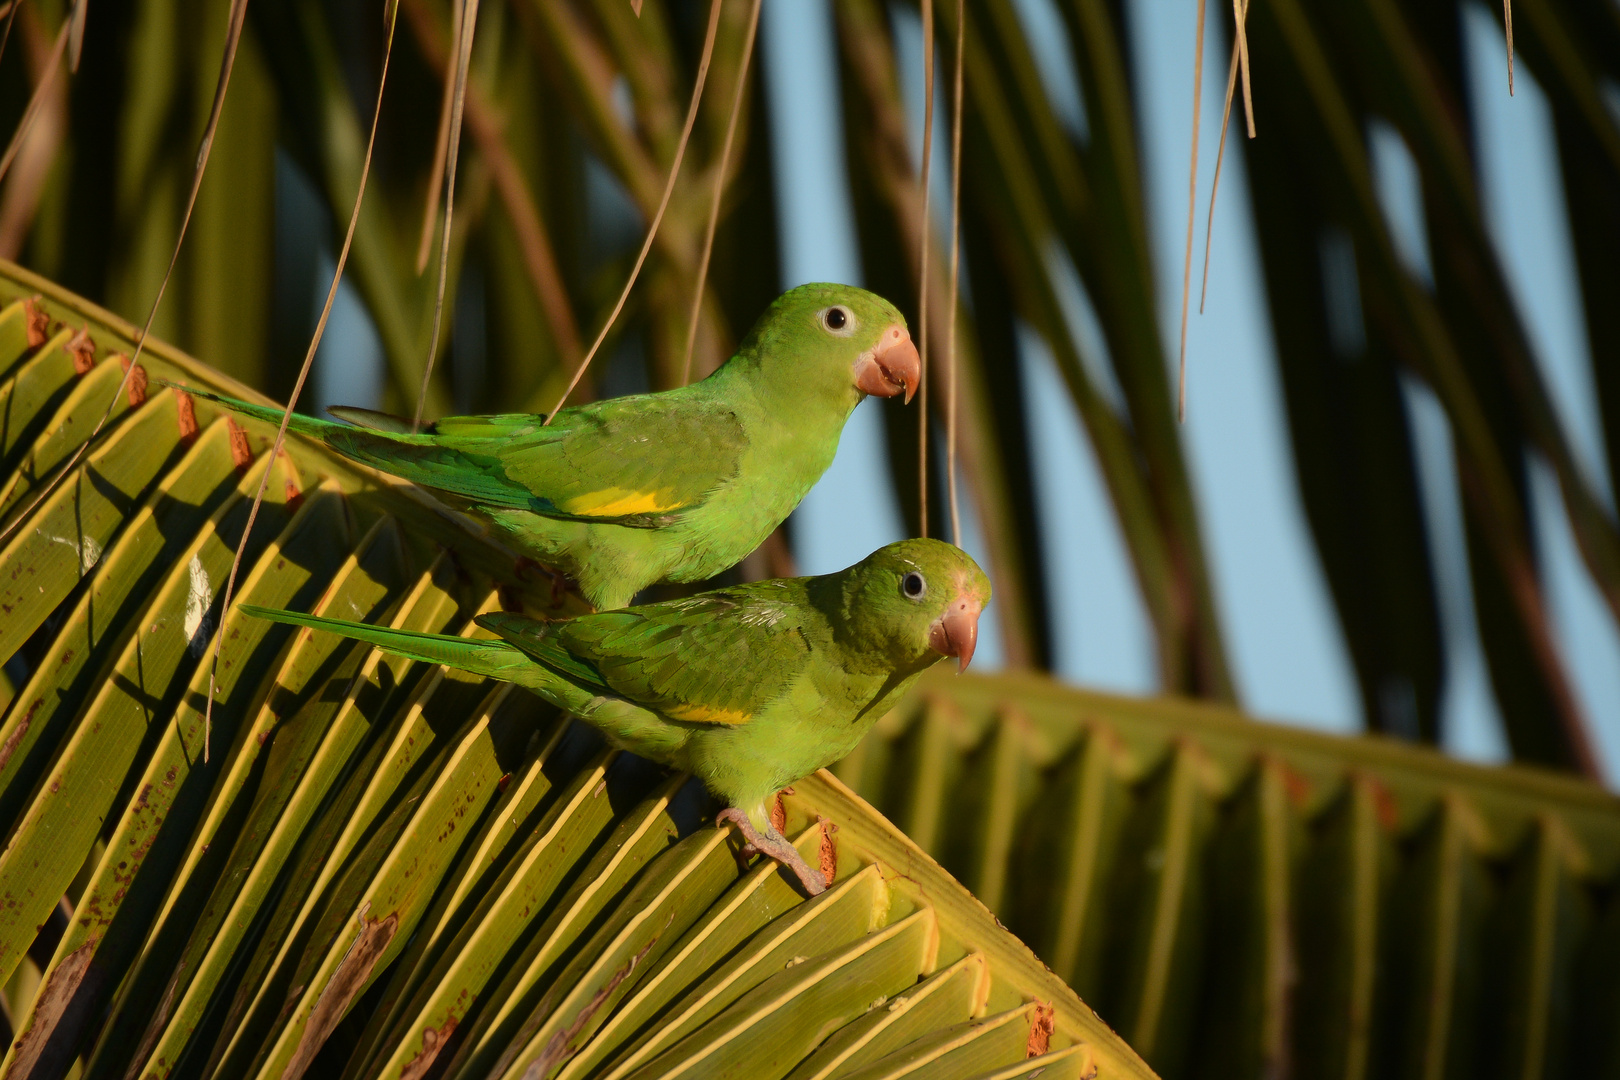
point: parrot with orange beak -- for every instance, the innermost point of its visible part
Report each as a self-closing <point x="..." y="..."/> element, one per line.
<point x="748" y="688"/>
<point x="674" y="486"/>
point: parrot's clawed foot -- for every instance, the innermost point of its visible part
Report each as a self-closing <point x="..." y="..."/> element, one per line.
<point x="560" y="585"/>
<point x="773" y="846"/>
<point x="560" y="582"/>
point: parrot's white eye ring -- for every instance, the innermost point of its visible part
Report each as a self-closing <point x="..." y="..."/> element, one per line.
<point x="914" y="586"/>
<point x="839" y="320"/>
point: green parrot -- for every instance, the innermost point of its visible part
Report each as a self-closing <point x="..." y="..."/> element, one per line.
<point x="748" y="688"/>
<point x="675" y="486"/>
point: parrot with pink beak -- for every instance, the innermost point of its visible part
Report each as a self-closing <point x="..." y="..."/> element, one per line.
<point x="748" y="688"/>
<point x="673" y="486"/>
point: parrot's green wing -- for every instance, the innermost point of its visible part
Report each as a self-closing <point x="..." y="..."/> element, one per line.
<point x="372" y="418"/>
<point x="538" y="640"/>
<point x="718" y="658"/>
<point x="640" y="461"/>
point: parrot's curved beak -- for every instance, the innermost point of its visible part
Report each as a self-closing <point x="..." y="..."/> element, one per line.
<point x="890" y="367"/>
<point x="956" y="632"/>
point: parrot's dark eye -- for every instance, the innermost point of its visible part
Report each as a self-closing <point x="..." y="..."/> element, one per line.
<point x="914" y="586"/>
<point x="837" y="319"/>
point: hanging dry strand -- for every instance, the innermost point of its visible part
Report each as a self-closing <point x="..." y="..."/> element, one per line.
<point x="922" y="266"/>
<point x="956" y="264"/>
<point x="37" y="100"/>
<point x="719" y="189"/>
<point x="1240" y="11"/>
<point x="663" y="204"/>
<point x="464" y="42"/>
<point x="76" y="35"/>
<point x="430" y="206"/>
<point x="1240" y="35"/>
<point x="1192" y="211"/>
<point x="11" y="16"/>
<point x="391" y="13"/>
<point x="527" y="227"/>
<point x="232" y="39"/>
<point x="1507" y="23"/>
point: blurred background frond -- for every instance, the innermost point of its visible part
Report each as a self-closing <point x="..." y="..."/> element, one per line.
<point x="1398" y="333"/>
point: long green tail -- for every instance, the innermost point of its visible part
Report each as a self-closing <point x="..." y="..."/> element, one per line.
<point x="270" y="414"/>
<point x="421" y="458"/>
<point x="625" y="723"/>
<point x="493" y="659"/>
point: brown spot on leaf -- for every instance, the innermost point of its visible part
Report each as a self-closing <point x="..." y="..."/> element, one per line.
<point x="557" y="1048"/>
<point x="83" y="350"/>
<point x="351" y="974"/>
<point x="156" y="1027"/>
<point x="1389" y="814"/>
<point x="292" y="494"/>
<point x="1294" y="784"/>
<point x="15" y="738"/>
<point x="185" y="408"/>
<point x="37" y="322"/>
<point x="827" y="856"/>
<point x="1040" y="1030"/>
<point x="137" y="383"/>
<point x="433" y="1040"/>
<point x="50" y="1005"/>
<point x="241" y="452"/>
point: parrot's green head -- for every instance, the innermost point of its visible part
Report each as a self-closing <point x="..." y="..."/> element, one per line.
<point x="915" y="601"/>
<point x="836" y="340"/>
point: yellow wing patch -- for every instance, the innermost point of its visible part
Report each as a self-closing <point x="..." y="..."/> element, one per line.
<point x="707" y="714"/>
<point x="619" y="502"/>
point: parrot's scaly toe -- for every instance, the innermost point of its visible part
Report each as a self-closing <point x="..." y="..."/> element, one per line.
<point x="774" y="847"/>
